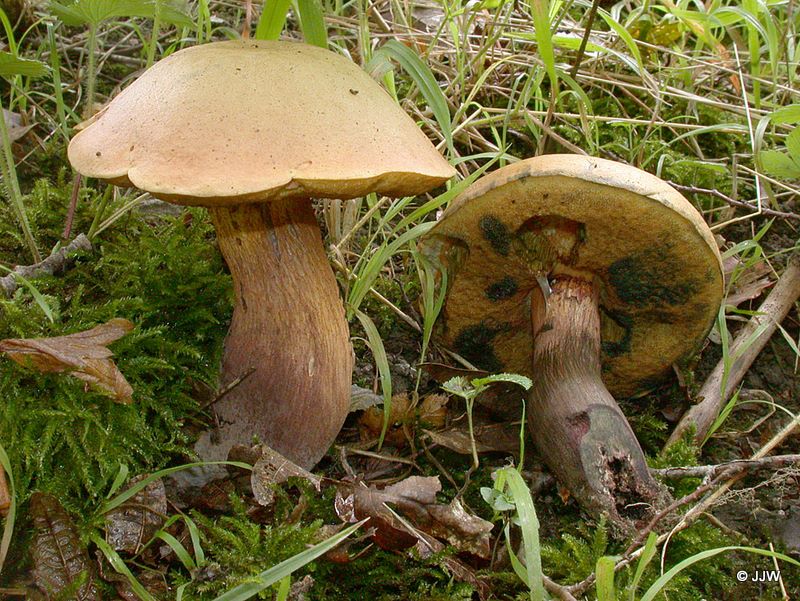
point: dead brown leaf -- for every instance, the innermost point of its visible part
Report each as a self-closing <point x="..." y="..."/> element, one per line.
<point x="131" y="525"/>
<point x="749" y="284"/>
<point x="59" y="559"/>
<point x="271" y="469"/>
<point x="415" y="499"/>
<point x="489" y="438"/>
<point x="432" y="412"/>
<point x="5" y="494"/>
<point x="83" y="355"/>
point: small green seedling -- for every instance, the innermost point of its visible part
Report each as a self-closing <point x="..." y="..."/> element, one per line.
<point x="469" y="390"/>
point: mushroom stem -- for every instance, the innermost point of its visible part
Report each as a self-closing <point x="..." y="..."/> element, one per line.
<point x="575" y="422"/>
<point x="288" y="328"/>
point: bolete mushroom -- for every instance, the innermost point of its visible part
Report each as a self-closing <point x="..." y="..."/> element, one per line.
<point x="253" y="130"/>
<point x="636" y="283"/>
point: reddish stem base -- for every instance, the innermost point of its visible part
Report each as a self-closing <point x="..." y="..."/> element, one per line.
<point x="575" y="422"/>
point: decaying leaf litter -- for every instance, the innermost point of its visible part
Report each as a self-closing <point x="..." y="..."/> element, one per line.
<point x="498" y="96"/>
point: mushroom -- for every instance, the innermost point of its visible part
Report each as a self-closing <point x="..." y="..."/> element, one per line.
<point x="636" y="283"/>
<point x="253" y="130"/>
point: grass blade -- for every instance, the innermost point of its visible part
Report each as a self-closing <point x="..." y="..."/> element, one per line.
<point x="273" y="19"/>
<point x="659" y="584"/>
<point x="312" y="22"/>
<point x="423" y="77"/>
<point x="382" y="361"/>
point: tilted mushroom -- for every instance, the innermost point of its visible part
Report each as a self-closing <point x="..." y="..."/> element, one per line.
<point x="253" y="130"/>
<point x="636" y="284"/>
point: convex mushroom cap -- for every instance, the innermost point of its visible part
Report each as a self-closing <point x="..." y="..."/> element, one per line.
<point x="655" y="260"/>
<point x="244" y="121"/>
<point x="254" y="130"/>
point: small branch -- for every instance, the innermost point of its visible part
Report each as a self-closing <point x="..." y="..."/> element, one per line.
<point x="740" y="465"/>
<point x="744" y="350"/>
<point x="559" y="591"/>
<point x="733" y="202"/>
<point x="57" y="262"/>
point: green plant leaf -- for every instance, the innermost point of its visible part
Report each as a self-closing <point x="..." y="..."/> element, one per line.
<point x="423" y="77"/>
<point x="793" y="144"/>
<point x="273" y="19"/>
<point x="11" y="65"/>
<point x="779" y="164"/>
<point x="8" y="528"/>
<point x="605" y="578"/>
<point x="544" y="40"/>
<point x="648" y="553"/>
<point x="94" y="12"/>
<point x="285" y="568"/>
<point x="312" y="22"/>
<point x="37" y="296"/>
<point x="121" y="568"/>
<point x="786" y="114"/>
<point x="529" y="525"/>
<point x="382" y="361"/>
<point x="512" y="378"/>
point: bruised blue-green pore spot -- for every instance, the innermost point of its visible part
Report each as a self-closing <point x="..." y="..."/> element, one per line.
<point x="502" y="289"/>
<point x="496" y="233"/>
<point x="652" y="278"/>
<point x="475" y="344"/>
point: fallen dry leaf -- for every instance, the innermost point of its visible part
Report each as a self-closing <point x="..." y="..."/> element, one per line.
<point x="83" y="354"/>
<point x="15" y="125"/>
<point x="415" y="499"/>
<point x="271" y="469"/>
<point x="5" y="494"/>
<point x="749" y="284"/>
<point x="131" y="525"/>
<point x="489" y="438"/>
<point x="59" y="559"/>
<point x="431" y="412"/>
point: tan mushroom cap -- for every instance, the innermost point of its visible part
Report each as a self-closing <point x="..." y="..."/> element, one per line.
<point x="249" y="121"/>
<point x="654" y="258"/>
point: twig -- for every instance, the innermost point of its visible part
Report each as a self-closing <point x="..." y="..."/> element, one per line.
<point x="711" y="471"/>
<point x="744" y="349"/>
<point x="55" y="263"/>
<point x="562" y="592"/>
<point x="229" y="387"/>
<point x="734" y="202"/>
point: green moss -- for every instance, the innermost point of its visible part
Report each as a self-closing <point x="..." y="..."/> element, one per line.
<point x="168" y="279"/>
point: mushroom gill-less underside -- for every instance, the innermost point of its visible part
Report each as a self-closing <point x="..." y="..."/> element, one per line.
<point x="636" y="283"/>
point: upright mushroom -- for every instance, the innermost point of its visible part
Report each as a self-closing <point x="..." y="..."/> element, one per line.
<point x="253" y="131"/>
<point x="636" y="283"/>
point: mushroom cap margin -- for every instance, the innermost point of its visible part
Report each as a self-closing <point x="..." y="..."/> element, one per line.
<point x="253" y="121"/>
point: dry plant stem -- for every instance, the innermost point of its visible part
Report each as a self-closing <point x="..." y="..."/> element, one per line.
<point x="288" y="324"/>
<point x="712" y="397"/>
<point x="575" y="422"/>
<point x="55" y="263"/>
<point x="711" y="471"/>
